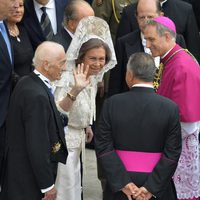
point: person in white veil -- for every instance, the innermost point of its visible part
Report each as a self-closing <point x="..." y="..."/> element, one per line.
<point x="75" y="96"/>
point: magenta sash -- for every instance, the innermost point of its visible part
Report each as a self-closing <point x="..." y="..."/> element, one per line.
<point x="138" y="161"/>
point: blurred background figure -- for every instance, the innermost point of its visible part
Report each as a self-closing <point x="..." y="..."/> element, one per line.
<point x="110" y="11"/>
<point x="22" y="48"/>
<point x="74" y="12"/>
<point x="43" y="19"/>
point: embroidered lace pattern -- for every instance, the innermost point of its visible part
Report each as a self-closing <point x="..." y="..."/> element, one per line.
<point x="187" y="175"/>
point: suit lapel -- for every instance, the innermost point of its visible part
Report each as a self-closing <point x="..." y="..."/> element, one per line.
<point x="4" y="47"/>
<point x="32" y="19"/>
<point x="59" y="17"/>
<point x="134" y="46"/>
<point x="53" y="105"/>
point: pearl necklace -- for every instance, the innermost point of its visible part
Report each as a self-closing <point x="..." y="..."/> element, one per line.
<point x="14" y="32"/>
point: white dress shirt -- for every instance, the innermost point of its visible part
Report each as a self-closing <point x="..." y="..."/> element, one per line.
<point x="51" y="11"/>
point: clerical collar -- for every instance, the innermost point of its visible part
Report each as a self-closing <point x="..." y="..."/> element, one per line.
<point x="70" y="33"/>
<point x="162" y="57"/>
<point x="44" y="79"/>
<point x="161" y="3"/>
<point x="143" y="85"/>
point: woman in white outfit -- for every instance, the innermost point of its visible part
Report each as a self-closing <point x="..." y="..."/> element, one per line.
<point x="75" y="95"/>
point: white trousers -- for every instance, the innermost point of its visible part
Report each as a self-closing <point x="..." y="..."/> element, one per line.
<point x="68" y="181"/>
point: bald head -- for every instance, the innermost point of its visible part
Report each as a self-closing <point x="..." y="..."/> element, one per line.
<point x="49" y="60"/>
<point x="74" y="12"/>
<point x="147" y="9"/>
<point x="47" y="51"/>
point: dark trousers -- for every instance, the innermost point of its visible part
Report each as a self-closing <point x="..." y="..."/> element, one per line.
<point x="2" y="150"/>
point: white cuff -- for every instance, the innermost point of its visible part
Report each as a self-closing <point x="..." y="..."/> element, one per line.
<point x="47" y="189"/>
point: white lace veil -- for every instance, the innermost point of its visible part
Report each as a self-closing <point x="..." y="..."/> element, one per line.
<point x="89" y="27"/>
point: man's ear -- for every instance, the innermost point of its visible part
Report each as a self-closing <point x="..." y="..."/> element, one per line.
<point x="46" y="65"/>
<point x="71" y="25"/>
<point x="168" y="36"/>
<point x="161" y="13"/>
<point x="129" y="78"/>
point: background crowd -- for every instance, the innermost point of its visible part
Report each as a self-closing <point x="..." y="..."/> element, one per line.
<point x="61" y="60"/>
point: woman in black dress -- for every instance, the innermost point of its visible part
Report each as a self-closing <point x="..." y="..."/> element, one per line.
<point x="23" y="51"/>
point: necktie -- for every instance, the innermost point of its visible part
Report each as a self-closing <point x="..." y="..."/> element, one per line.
<point x="46" y="25"/>
<point x="6" y="39"/>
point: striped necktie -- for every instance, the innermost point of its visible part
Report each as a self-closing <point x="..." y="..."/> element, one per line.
<point x="46" y="25"/>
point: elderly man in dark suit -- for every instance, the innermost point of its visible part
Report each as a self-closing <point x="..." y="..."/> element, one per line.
<point x="74" y="12"/>
<point x="6" y="67"/>
<point x="43" y="19"/>
<point x="35" y="140"/>
<point x="138" y="146"/>
<point x="178" y="11"/>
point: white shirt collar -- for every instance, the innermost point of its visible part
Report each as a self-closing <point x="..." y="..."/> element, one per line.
<point x="161" y="3"/>
<point x="143" y="85"/>
<point x="46" y="81"/>
<point x="70" y="33"/>
<point x="37" y="6"/>
<point x="166" y="53"/>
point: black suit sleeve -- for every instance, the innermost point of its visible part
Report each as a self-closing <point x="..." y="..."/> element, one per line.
<point x="118" y="73"/>
<point x="36" y="119"/>
<point x="125" y="25"/>
<point x="180" y="40"/>
<point x="165" y="168"/>
<point x="192" y="37"/>
<point x="117" y="176"/>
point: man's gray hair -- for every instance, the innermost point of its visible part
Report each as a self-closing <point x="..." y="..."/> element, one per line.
<point x="143" y="66"/>
<point x="161" y="29"/>
<point x="70" y="12"/>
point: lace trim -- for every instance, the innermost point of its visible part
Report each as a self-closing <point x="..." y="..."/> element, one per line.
<point x="187" y="175"/>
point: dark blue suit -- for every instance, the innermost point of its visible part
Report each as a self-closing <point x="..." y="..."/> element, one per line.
<point x="6" y="69"/>
<point x="32" y="23"/>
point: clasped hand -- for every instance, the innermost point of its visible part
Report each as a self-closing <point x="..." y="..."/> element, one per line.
<point x="133" y="192"/>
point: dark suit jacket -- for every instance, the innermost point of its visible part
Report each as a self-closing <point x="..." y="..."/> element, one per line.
<point x="32" y="24"/>
<point x="63" y="38"/>
<point x="134" y="122"/>
<point x="33" y="128"/>
<point x="125" y="47"/>
<point x="180" y="12"/>
<point x="6" y="69"/>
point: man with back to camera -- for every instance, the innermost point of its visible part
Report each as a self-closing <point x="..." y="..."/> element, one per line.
<point x="138" y="146"/>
